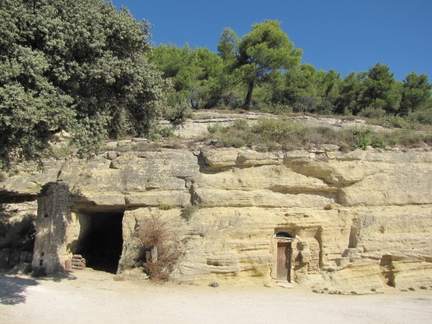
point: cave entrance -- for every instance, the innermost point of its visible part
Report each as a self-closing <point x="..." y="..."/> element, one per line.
<point x="101" y="240"/>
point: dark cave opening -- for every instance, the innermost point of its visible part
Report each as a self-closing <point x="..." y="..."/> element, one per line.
<point x="101" y="240"/>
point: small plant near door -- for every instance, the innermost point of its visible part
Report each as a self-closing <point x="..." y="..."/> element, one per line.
<point x="157" y="239"/>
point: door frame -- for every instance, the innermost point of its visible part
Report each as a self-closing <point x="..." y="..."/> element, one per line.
<point x="286" y="260"/>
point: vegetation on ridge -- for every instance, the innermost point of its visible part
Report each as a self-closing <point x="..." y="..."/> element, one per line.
<point x="266" y="64"/>
<point x="78" y="66"/>
<point x="85" y="68"/>
<point x="286" y="134"/>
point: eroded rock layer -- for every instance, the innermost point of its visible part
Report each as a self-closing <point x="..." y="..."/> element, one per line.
<point x="359" y="220"/>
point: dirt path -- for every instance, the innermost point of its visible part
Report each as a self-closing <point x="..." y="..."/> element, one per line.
<point x="94" y="297"/>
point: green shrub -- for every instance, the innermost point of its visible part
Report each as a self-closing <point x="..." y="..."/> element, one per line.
<point x="328" y="133"/>
<point x="279" y="129"/>
<point x="365" y="137"/>
<point x="268" y="146"/>
<point x="325" y="135"/>
<point x="278" y="109"/>
<point x="390" y="121"/>
<point x="370" y="112"/>
<point x="397" y="121"/>
<point x="393" y="140"/>
<point x="378" y="142"/>
<point x="217" y="127"/>
<point x="187" y="211"/>
<point x="363" y="141"/>
<point x="166" y="132"/>
<point x="241" y="124"/>
<point x="178" y="112"/>
<point x="410" y="139"/>
<point x="60" y="152"/>
<point x="421" y="116"/>
<point x="228" y="141"/>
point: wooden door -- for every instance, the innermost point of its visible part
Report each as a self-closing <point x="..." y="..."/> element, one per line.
<point x="284" y="261"/>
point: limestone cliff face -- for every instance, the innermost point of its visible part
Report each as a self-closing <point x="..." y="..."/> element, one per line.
<point x="357" y="220"/>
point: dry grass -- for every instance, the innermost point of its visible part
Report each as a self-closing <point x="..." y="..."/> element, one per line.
<point x="286" y="135"/>
<point x="156" y="232"/>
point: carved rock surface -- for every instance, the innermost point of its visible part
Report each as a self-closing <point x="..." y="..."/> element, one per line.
<point x="360" y="219"/>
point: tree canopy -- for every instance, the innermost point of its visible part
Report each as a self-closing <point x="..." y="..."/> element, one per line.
<point x="416" y="91"/>
<point x="265" y="64"/>
<point x="264" y="49"/>
<point x="78" y="66"/>
<point x="85" y="68"/>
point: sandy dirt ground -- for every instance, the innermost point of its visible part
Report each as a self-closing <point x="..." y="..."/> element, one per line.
<point x="90" y="296"/>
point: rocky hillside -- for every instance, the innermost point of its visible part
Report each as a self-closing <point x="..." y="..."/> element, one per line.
<point x="358" y="220"/>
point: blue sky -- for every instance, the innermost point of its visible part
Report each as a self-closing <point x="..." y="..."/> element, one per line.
<point x="346" y="35"/>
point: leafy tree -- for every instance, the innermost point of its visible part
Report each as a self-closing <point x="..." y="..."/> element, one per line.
<point x="264" y="49"/>
<point x="228" y="45"/>
<point x="276" y="82"/>
<point x="309" y="90"/>
<point x="177" y="64"/>
<point x="351" y="93"/>
<point x="188" y="70"/>
<point x="381" y="89"/>
<point x="374" y="89"/>
<point x="222" y="87"/>
<point x="210" y="82"/>
<point x="301" y="88"/>
<point x="416" y="91"/>
<point x="78" y="66"/>
<point x="329" y="83"/>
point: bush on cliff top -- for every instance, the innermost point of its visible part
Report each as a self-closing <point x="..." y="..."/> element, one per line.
<point x="77" y="66"/>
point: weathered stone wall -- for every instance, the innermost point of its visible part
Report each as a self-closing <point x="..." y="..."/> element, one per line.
<point x="52" y="222"/>
<point x="360" y="220"/>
